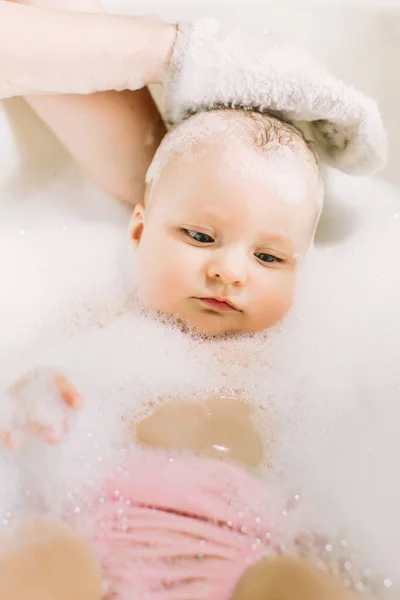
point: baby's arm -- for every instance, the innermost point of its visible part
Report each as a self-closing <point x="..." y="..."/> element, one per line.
<point x="112" y="135"/>
<point x="41" y="403"/>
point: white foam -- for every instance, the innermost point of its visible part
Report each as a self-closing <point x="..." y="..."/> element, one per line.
<point x="283" y="169"/>
<point x="328" y="384"/>
<point x="183" y="138"/>
<point x="290" y="170"/>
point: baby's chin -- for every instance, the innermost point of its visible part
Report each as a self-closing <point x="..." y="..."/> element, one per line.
<point x="209" y="327"/>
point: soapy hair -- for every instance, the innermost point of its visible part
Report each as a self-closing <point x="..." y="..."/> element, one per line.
<point x="264" y="131"/>
<point x="269" y="131"/>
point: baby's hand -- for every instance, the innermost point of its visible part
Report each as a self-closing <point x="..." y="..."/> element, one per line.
<point x="42" y="403"/>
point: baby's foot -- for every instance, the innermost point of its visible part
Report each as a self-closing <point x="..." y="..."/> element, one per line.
<point x="42" y="403"/>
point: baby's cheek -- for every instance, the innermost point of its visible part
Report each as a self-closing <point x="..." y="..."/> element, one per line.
<point x="172" y="286"/>
<point x="277" y="299"/>
<point x="162" y="280"/>
<point x="178" y="271"/>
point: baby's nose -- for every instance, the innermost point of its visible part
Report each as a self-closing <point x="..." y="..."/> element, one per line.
<point x="229" y="266"/>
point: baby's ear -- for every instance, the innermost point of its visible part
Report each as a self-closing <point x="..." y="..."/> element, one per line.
<point x="137" y="223"/>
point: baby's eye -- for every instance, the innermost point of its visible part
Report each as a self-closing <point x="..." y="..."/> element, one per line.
<point x="269" y="258"/>
<point x="202" y="238"/>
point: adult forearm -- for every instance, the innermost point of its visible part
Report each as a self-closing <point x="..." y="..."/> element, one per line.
<point x="59" y="52"/>
<point x="111" y="135"/>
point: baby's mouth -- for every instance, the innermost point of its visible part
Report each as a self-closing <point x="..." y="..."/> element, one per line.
<point x="218" y="305"/>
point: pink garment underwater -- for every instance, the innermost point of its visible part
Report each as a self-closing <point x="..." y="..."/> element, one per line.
<point x="174" y="528"/>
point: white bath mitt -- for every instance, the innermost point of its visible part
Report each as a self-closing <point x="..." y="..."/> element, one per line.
<point x="215" y="65"/>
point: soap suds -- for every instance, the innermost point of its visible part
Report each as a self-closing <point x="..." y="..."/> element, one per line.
<point x="273" y="155"/>
<point x="282" y="169"/>
<point x="324" y="385"/>
<point x="181" y="139"/>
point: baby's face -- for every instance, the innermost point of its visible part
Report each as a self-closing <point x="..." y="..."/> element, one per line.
<point x="221" y="235"/>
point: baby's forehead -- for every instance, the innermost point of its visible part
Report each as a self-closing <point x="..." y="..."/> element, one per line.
<point x="233" y="140"/>
<point x="235" y="190"/>
<point x="182" y="139"/>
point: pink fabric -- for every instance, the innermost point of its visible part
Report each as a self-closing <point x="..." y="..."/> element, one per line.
<point x="184" y="529"/>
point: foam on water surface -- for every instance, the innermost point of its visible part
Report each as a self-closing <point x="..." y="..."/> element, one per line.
<point x="326" y="384"/>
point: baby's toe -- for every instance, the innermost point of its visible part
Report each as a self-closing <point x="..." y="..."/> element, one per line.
<point x="11" y="424"/>
<point x="11" y="440"/>
<point x="52" y="428"/>
<point x="47" y="432"/>
<point x="68" y="392"/>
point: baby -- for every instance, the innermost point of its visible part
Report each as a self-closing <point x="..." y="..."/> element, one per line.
<point x="231" y="206"/>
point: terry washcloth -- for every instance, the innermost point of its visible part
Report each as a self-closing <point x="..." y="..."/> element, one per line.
<point x="214" y="65"/>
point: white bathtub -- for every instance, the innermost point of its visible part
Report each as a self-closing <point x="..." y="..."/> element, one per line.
<point x="361" y="44"/>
